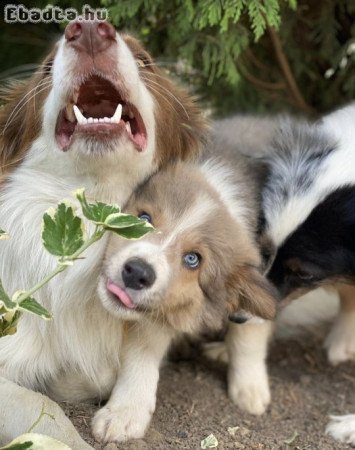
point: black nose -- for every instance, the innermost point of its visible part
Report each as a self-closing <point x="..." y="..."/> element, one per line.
<point x="138" y="274"/>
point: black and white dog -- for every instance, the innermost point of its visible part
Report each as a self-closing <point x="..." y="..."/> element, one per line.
<point x="308" y="235"/>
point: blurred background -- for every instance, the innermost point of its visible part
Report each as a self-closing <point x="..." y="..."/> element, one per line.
<point x="236" y="55"/>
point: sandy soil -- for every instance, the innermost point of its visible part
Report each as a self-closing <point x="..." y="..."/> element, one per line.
<point x="192" y="403"/>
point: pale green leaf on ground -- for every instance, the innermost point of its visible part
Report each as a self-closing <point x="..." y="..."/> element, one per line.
<point x="96" y="212"/>
<point x="62" y="233"/>
<point x="209" y="442"/>
<point x="232" y="430"/>
<point x="32" y="306"/>
<point x="5" y="300"/>
<point x="34" y="441"/>
<point x="3" y="234"/>
<point x="8" y="322"/>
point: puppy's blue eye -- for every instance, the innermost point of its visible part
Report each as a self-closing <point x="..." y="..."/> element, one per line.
<point x="145" y="216"/>
<point x="192" y="260"/>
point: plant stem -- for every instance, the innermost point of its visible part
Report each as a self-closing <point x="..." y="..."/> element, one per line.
<point x="97" y="235"/>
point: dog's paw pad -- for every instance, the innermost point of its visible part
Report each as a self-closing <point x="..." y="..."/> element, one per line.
<point x="342" y="428"/>
<point x="119" y="424"/>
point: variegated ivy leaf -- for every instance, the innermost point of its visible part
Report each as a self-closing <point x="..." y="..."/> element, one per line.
<point x="34" y="441"/>
<point x="118" y="221"/>
<point x="3" y="235"/>
<point x="96" y="212"/>
<point x="5" y="301"/>
<point x="32" y="306"/>
<point x="63" y="231"/>
<point x="128" y="226"/>
<point x="133" y="232"/>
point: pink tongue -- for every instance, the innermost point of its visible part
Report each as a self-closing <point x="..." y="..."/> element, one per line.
<point x="120" y="294"/>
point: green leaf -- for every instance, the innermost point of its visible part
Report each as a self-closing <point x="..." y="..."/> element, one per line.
<point x="209" y="442"/>
<point x="3" y="234"/>
<point x="23" y="446"/>
<point x="62" y="233"/>
<point x="124" y="220"/>
<point x="133" y="232"/>
<point x="32" y="306"/>
<point x="5" y="300"/>
<point x="96" y="212"/>
<point x="34" y="441"/>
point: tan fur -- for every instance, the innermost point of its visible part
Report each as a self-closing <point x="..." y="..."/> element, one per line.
<point x="180" y="125"/>
<point x="228" y="277"/>
<point x="22" y="101"/>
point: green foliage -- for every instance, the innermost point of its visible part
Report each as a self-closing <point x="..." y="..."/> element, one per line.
<point x="223" y="49"/>
<point x="63" y="233"/>
<point x="63" y="236"/>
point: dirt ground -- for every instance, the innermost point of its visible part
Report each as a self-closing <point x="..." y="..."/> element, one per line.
<point x="192" y="403"/>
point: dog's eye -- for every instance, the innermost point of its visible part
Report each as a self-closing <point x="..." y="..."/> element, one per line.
<point x="192" y="260"/>
<point x="145" y="216"/>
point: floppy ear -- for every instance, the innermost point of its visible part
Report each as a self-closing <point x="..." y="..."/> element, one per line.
<point x="20" y="116"/>
<point x="255" y="294"/>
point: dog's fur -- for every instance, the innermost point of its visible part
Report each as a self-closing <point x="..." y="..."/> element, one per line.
<point x="41" y="163"/>
<point x="308" y="207"/>
<point x="209" y="210"/>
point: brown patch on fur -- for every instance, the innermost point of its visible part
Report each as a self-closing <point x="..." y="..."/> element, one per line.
<point x="21" y="116"/>
<point x="180" y="127"/>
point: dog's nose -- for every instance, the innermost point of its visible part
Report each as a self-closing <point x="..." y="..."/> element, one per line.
<point x="90" y="36"/>
<point x="138" y="274"/>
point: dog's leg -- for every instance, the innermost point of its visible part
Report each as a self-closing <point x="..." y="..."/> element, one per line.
<point x="128" y="412"/>
<point x="340" y="343"/>
<point x="342" y="428"/>
<point x="248" y="384"/>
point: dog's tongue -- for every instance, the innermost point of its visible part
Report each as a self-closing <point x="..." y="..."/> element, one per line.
<point x="122" y="296"/>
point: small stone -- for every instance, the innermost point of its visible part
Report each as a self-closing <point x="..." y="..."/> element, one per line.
<point x="232" y="430"/>
<point x="238" y="445"/>
<point x="243" y="431"/>
<point x="182" y="434"/>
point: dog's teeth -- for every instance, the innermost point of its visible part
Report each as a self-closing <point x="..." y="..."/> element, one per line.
<point x="101" y="120"/>
<point x="79" y="117"/>
<point x="107" y="120"/>
<point x="128" y="127"/>
<point x="118" y="113"/>
<point x="69" y="113"/>
<point x="90" y="120"/>
<point x="96" y="120"/>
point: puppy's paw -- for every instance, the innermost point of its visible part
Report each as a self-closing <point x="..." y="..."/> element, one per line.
<point x="250" y="394"/>
<point x="340" y="343"/>
<point x="217" y="351"/>
<point x="121" y="423"/>
<point x="342" y="428"/>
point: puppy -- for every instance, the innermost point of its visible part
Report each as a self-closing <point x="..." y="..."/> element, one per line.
<point x="201" y="265"/>
<point x="308" y="205"/>
<point x="97" y="114"/>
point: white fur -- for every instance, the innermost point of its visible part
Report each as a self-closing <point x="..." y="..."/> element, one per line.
<point x="342" y="428"/>
<point x="336" y="171"/>
<point x="221" y="177"/>
<point x="82" y="338"/>
<point x="248" y="384"/>
<point x="340" y="342"/>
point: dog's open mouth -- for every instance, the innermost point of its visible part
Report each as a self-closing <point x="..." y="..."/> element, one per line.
<point x="99" y="110"/>
<point x="123" y="298"/>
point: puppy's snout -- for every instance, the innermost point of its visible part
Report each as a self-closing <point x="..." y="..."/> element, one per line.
<point x="90" y="36"/>
<point x="138" y="274"/>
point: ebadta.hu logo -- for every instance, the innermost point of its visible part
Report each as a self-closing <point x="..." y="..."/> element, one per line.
<point x="51" y="13"/>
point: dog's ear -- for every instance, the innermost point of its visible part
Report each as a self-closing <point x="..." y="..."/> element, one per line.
<point x="20" y="115"/>
<point x="253" y="293"/>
